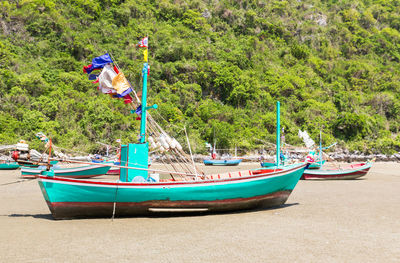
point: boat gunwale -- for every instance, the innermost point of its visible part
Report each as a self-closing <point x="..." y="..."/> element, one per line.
<point x="62" y="170"/>
<point x="157" y="184"/>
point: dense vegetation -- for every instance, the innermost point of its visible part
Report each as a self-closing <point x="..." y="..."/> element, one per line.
<point x="216" y="66"/>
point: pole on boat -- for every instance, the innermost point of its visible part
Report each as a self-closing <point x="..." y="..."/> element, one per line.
<point x="278" y="133"/>
<point x="320" y="146"/>
<point x="190" y="150"/>
<point x="48" y="158"/>
<point x="144" y="104"/>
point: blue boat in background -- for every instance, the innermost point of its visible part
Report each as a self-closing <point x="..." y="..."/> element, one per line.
<point x="227" y="162"/>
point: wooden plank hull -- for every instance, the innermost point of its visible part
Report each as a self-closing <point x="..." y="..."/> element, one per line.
<point x="353" y="172"/>
<point x="232" y="162"/>
<point x="68" y="198"/>
<point x="75" y="172"/>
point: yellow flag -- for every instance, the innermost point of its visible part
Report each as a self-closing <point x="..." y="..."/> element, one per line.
<point x="145" y="53"/>
<point x="120" y="83"/>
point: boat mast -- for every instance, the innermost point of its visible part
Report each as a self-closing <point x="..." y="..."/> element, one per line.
<point x="320" y="145"/>
<point x="144" y="103"/>
<point x="278" y="135"/>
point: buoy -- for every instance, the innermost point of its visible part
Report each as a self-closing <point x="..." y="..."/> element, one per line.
<point x="177" y="145"/>
<point x="164" y="142"/>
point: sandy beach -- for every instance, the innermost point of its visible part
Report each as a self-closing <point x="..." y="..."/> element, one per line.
<point x="322" y="221"/>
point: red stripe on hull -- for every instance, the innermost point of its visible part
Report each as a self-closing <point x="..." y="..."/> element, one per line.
<point x="30" y="176"/>
<point x="113" y="172"/>
<point x="63" y="210"/>
<point x="350" y="175"/>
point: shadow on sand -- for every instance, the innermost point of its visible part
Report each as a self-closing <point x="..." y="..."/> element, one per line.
<point x="199" y="214"/>
<point x="161" y="214"/>
<point x="37" y="216"/>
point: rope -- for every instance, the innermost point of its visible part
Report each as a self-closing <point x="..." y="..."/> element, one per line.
<point x="154" y="128"/>
<point x="134" y="168"/>
<point x="20" y="181"/>
<point x="115" y="201"/>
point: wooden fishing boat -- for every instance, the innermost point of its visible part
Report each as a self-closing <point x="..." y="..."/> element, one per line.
<point x="140" y="192"/>
<point x="9" y="166"/>
<point x="68" y="198"/>
<point x="226" y="162"/>
<point x="351" y="172"/>
<point x="74" y="172"/>
<point x="35" y="165"/>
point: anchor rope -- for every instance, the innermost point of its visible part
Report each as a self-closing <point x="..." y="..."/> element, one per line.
<point x="115" y="201"/>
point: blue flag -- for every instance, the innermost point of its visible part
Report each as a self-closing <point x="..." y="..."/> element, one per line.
<point x="101" y="61"/>
<point x="98" y="63"/>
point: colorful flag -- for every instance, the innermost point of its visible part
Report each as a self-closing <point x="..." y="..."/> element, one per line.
<point x="144" y="42"/>
<point x="121" y="84"/>
<point x="106" y="78"/>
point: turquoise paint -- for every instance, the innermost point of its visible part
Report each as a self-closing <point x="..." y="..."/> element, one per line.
<point x="59" y="192"/>
<point x="315" y="165"/>
<point x="134" y="155"/>
<point x="123" y="175"/>
<point x="9" y="166"/>
<point x="144" y="104"/>
<point x="155" y="106"/>
<point x="278" y="132"/>
<point x="320" y="145"/>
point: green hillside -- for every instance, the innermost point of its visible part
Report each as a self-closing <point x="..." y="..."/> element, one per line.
<point x="215" y="66"/>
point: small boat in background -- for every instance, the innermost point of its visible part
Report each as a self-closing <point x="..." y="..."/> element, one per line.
<point x="74" y="172"/>
<point x="35" y="165"/>
<point x="351" y="172"/>
<point x="223" y="161"/>
<point x="316" y="165"/>
<point x="268" y="164"/>
<point x="9" y="166"/>
<point x="114" y="170"/>
<point x="227" y="162"/>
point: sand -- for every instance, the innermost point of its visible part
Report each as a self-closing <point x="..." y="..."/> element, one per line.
<point x="322" y="221"/>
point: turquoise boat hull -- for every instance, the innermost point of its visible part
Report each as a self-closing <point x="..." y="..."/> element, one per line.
<point x="231" y="162"/>
<point x="316" y="165"/>
<point x="9" y="166"/>
<point x="74" y="172"/>
<point x="69" y="198"/>
<point x="268" y="164"/>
